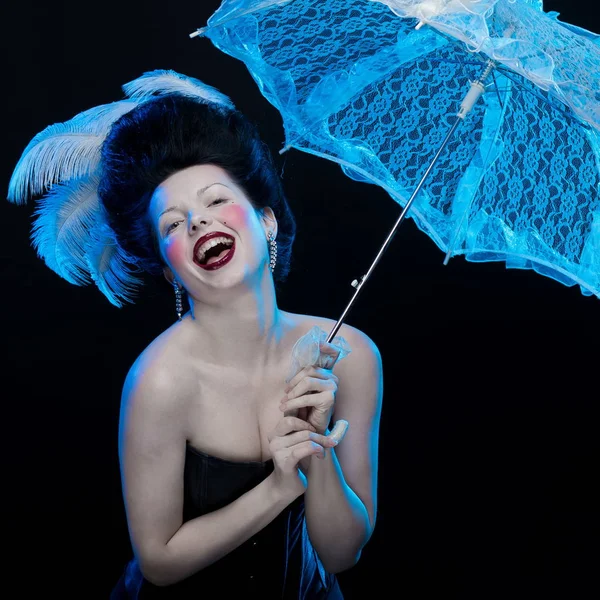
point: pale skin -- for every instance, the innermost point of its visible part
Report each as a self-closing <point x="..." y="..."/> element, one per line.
<point x="216" y="380"/>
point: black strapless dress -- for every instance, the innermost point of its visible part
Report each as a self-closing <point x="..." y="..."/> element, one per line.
<point x="279" y="562"/>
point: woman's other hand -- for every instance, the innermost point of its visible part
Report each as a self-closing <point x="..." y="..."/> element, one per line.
<point x="291" y="441"/>
<point x="312" y="391"/>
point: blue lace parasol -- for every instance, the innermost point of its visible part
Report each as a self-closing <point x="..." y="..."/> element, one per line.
<point x="385" y="89"/>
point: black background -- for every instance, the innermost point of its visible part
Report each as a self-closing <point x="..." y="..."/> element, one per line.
<point x="489" y="436"/>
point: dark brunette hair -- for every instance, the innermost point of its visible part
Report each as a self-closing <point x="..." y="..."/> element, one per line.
<point x="167" y="134"/>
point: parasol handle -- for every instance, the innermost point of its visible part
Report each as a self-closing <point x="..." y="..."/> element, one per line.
<point x="477" y="88"/>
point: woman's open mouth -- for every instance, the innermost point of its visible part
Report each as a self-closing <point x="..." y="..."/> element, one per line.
<point x="214" y="250"/>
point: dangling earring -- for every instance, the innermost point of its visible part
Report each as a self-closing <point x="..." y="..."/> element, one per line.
<point x="178" y="302"/>
<point x="272" y="251"/>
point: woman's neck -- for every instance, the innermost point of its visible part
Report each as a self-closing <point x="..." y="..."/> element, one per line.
<point x="240" y="328"/>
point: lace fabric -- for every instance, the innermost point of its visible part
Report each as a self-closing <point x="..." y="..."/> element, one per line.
<point x="520" y="36"/>
<point x="358" y="84"/>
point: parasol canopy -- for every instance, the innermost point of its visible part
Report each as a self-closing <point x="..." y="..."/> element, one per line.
<point x="378" y="86"/>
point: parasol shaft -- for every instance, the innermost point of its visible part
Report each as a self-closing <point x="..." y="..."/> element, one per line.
<point x="359" y="284"/>
<point x="475" y="91"/>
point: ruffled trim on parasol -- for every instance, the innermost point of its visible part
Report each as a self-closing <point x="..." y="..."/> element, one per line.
<point x="557" y="57"/>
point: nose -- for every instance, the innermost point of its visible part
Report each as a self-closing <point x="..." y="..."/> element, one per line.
<point x="197" y="221"/>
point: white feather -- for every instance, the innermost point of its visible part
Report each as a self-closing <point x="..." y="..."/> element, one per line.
<point x="64" y="151"/>
<point x="111" y="268"/>
<point x="63" y="221"/>
<point x="161" y="82"/>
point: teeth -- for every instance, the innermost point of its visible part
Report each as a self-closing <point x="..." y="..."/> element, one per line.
<point x="210" y="244"/>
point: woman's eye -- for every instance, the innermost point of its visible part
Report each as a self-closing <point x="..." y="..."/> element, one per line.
<point x="217" y="201"/>
<point x="172" y="226"/>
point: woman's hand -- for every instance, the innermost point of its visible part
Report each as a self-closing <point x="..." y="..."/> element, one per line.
<point x="291" y="441"/>
<point x="312" y="392"/>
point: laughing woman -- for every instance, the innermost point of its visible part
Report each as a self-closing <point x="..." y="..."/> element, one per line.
<point x="232" y="478"/>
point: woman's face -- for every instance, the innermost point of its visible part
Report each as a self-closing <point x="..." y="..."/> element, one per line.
<point x="208" y="232"/>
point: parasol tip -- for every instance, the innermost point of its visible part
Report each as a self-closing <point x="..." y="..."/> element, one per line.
<point x="198" y="32"/>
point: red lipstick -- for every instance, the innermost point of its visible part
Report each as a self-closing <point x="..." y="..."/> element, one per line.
<point x="218" y="263"/>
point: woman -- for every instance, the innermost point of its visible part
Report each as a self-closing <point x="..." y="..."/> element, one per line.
<point x="230" y="475"/>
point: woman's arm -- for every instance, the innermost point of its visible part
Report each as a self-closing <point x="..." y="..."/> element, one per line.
<point x="341" y="498"/>
<point x="152" y="454"/>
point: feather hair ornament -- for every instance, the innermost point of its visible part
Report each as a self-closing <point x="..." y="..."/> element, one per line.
<point x="161" y="82"/>
<point x="64" y="218"/>
<point x="112" y="269"/>
<point x="60" y="167"/>
<point x="64" y="151"/>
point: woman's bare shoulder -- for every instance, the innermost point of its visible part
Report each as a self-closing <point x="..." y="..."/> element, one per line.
<point x="159" y="377"/>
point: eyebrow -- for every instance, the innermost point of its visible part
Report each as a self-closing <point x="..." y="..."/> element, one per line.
<point x="199" y="193"/>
